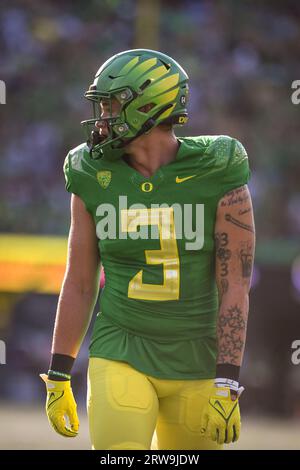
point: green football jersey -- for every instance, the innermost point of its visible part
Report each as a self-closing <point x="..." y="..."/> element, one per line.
<point x="159" y="307"/>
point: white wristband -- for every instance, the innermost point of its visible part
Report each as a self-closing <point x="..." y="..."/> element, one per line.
<point x="232" y="384"/>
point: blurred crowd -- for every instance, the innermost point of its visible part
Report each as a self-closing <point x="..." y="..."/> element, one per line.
<point x="242" y="58"/>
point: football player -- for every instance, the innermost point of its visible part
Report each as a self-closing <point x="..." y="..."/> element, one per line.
<point x="171" y="221"/>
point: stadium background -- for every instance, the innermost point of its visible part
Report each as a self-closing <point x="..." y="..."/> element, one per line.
<point x="242" y="57"/>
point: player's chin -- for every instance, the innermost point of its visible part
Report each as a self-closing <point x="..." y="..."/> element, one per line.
<point x="103" y="136"/>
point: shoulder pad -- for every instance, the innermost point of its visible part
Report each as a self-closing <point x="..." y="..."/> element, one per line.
<point x="239" y="153"/>
<point x="76" y="165"/>
<point x="220" y="149"/>
<point x="77" y="155"/>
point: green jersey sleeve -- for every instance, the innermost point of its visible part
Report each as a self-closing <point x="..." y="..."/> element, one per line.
<point x="223" y="163"/>
<point x="68" y="175"/>
<point x="80" y="174"/>
<point x="237" y="172"/>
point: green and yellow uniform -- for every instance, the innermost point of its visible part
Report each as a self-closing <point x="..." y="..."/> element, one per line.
<point x="159" y="306"/>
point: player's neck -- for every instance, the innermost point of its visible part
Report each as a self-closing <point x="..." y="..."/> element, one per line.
<point x="149" y="152"/>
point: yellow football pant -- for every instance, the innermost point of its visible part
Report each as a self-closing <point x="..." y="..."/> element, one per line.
<point x="125" y="407"/>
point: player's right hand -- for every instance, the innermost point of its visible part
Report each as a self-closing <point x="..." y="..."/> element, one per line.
<point x="221" y="419"/>
<point x="61" y="406"/>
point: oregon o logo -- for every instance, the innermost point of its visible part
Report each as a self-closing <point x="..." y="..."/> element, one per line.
<point x="147" y="187"/>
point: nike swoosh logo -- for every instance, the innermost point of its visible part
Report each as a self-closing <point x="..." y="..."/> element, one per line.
<point x="55" y="398"/>
<point x="218" y="403"/>
<point x="181" y="180"/>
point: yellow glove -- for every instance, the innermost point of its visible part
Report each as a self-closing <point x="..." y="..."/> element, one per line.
<point x="59" y="405"/>
<point x="221" y="420"/>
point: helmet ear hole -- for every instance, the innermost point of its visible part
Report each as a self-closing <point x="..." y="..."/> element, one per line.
<point x="147" y="107"/>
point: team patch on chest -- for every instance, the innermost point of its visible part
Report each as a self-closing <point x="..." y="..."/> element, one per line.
<point x="104" y="178"/>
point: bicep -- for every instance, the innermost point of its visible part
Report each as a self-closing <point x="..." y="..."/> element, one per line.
<point x="83" y="262"/>
<point x="234" y="240"/>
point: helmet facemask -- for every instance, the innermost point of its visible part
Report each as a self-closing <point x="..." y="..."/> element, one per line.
<point x="115" y="122"/>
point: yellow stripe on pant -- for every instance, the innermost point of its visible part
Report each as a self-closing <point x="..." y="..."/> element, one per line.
<point x="125" y="407"/>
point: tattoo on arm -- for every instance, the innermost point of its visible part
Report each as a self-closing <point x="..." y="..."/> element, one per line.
<point x="224" y="285"/>
<point x="244" y="211"/>
<point x="246" y="258"/>
<point x="231" y="334"/>
<point x="237" y="196"/>
<point x="222" y="252"/>
<point x="237" y="222"/>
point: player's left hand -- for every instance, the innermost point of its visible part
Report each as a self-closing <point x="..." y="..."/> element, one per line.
<point x="221" y="420"/>
<point x="60" y="404"/>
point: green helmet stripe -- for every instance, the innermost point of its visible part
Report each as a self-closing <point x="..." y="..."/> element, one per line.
<point x="167" y="97"/>
<point x="155" y="74"/>
<point x="141" y="69"/>
<point x="158" y="100"/>
<point x="129" y="66"/>
<point x="163" y="85"/>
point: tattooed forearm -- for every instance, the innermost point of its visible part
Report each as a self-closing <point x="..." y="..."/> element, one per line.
<point x="237" y="222"/>
<point x="237" y="196"/>
<point x="235" y="242"/>
<point x="231" y="335"/>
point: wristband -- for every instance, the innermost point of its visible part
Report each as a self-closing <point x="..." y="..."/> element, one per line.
<point x="61" y="363"/>
<point x="232" y="384"/>
<point x="228" y="370"/>
<point x="60" y="367"/>
<point x="58" y="374"/>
